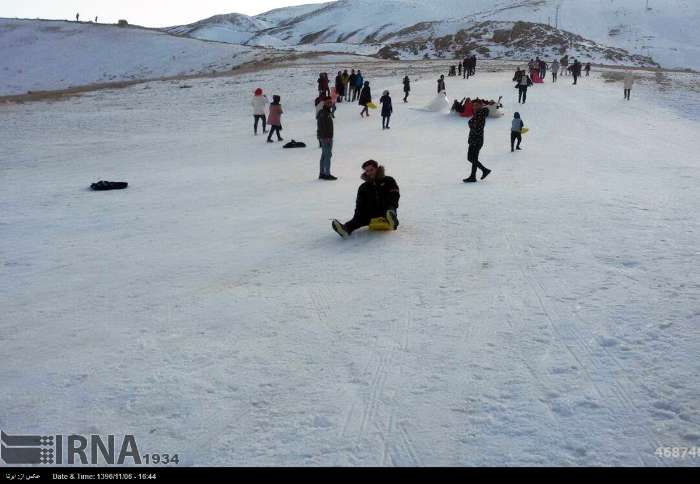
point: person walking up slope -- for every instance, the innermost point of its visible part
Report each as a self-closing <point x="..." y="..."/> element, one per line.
<point x="365" y="99"/>
<point x="275" y="119"/>
<point x="377" y="197"/>
<point x="325" y="135"/>
<point x="387" y="109"/>
<point x="516" y="132"/>
<point x="259" y="103"/>
<point x="406" y="88"/>
<point x="476" y="142"/>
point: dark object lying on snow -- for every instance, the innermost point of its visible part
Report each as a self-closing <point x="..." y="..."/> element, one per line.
<point x="295" y="144"/>
<point x="107" y="185"/>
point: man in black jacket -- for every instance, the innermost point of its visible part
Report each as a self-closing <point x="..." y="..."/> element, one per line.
<point x="476" y="141"/>
<point x="377" y="197"/>
<point x="324" y="121"/>
<point x="576" y="71"/>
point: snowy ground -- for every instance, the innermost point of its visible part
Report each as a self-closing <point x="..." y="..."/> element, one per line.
<point x="548" y="316"/>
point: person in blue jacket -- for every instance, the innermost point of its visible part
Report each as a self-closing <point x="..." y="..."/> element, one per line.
<point x="359" y="82"/>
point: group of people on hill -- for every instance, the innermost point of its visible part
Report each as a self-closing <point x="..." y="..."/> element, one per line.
<point x="378" y="196"/>
<point x="468" y="66"/>
<point x="538" y="69"/>
<point x="348" y="85"/>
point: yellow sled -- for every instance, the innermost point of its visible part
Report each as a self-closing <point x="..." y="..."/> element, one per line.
<point x="524" y="130"/>
<point x="372" y="106"/>
<point x="379" y="224"/>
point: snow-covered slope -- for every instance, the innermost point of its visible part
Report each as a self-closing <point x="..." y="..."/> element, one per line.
<point x="547" y="316"/>
<point x="666" y="32"/>
<point x="48" y="55"/>
<point x="233" y="28"/>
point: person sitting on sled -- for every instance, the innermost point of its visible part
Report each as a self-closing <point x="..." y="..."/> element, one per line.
<point x="378" y="197"/>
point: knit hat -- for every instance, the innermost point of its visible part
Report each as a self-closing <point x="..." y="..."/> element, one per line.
<point x="258" y="92"/>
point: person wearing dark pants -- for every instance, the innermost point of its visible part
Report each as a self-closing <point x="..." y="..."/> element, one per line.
<point x="377" y="197"/>
<point x="259" y="104"/>
<point x="258" y="118"/>
<point x="325" y="136"/>
<point x="522" y="82"/>
<point x="365" y="99"/>
<point x="516" y="132"/>
<point x="576" y="71"/>
<point x="476" y="142"/>
<point x="387" y="109"/>
<point x="275" y="119"/>
<point x="406" y="88"/>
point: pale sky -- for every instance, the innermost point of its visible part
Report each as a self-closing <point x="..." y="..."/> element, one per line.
<point x="149" y="13"/>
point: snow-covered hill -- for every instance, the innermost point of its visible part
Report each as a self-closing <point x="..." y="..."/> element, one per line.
<point x="233" y="28"/>
<point x="48" y="55"/>
<point x="666" y="31"/>
<point x="547" y="316"/>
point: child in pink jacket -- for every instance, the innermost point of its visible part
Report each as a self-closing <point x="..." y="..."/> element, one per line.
<point x="275" y="119"/>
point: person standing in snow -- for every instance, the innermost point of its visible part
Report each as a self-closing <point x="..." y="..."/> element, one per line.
<point x="387" y="109"/>
<point x="77" y="17"/>
<point x="359" y="83"/>
<point x="472" y="64"/>
<point x="459" y="69"/>
<point x="377" y="197"/>
<point x="476" y="141"/>
<point x="543" y="70"/>
<point x="259" y="103"/>
<point x="275" y="119"/>
<point x="352" y="80"/>
<point x="629" y="83"/>
<point x="323" y="85"/>
<point x="441" y="84"/>
<point x="588" y="69"/>
<point x="339" y="87"/>
<point x="325" y="135"/>
<point x="522" y="81"/>
<point x="465" y="67"/>
<point x="576" y="71"/>
<point x="406" y="88"/>
<point x="365" y="99"/>
<point x="555" y="70"/>
<point x="516" y="132"/>
<point x="346" y="81"/>
<point x="564" y="62"/>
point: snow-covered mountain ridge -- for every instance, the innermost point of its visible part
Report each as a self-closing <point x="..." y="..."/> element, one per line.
<point x="665" y="32"/>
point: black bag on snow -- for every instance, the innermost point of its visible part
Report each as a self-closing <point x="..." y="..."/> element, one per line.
<point x="101" y="186"/>
<point x="295" y="144"/>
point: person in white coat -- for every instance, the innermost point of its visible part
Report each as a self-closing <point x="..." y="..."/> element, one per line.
<point x="629" y="82"/>
<point x="260" y="102"/>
